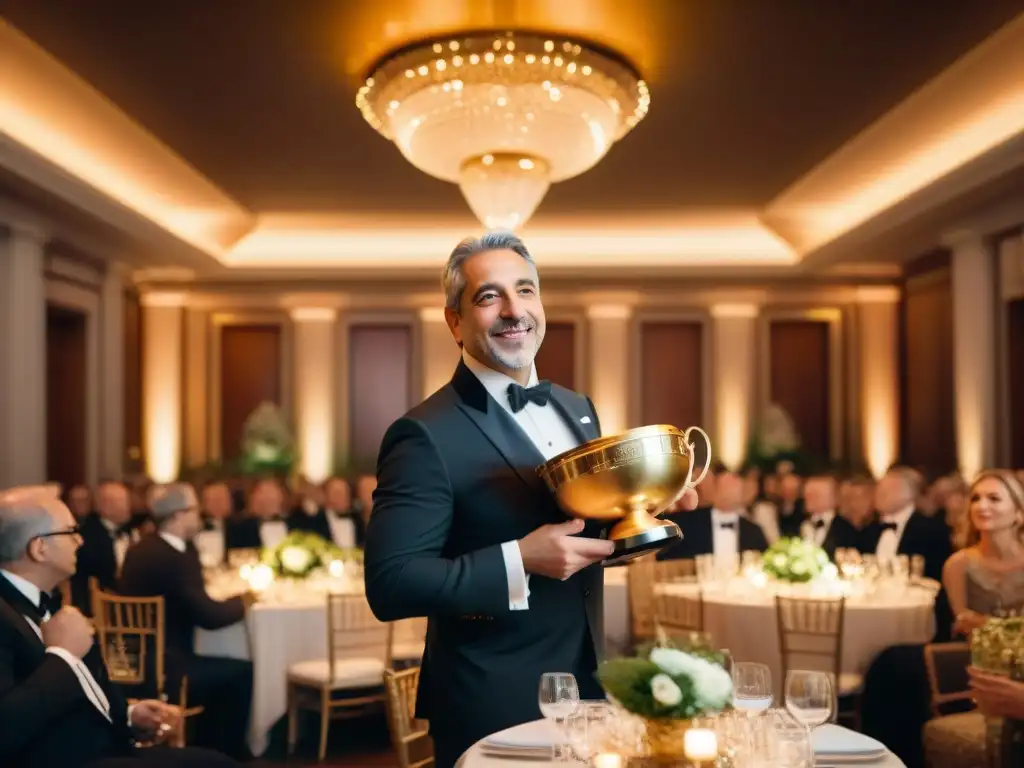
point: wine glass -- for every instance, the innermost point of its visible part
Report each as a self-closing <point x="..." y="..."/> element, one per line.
<point x="810" y="697"/>
<point x="751" y="687"/>
<point x="558" y="697"/>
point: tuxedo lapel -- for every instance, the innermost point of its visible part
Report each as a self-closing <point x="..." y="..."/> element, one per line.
<point x="498" y="427"/>
<point x="572" y="415"/>
<point x="21" y="613"/>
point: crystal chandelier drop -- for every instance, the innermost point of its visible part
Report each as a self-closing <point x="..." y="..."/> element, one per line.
<point x="504" y="116"/>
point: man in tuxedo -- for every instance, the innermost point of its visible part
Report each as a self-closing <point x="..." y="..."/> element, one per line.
<point x="336" y="520"/>
<point x="265" y="522"/>
<point x="823" y="526"/>
<point x="722" y="530"/>
<point x="463" y="530"/>
<point x="790" y="505"/>
<point x="167" y="565"/>
<point x="57" y="704"/>
<point x="903" y="530"/>
<point x="106" y="536"/>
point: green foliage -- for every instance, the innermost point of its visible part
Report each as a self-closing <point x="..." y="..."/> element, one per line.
<point x="267" y="444"/>
<point x="794" y="560"/>
<point x="301" y="553"/>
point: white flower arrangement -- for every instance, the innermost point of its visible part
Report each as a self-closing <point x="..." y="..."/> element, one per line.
<point x="302" y="553"/>
<point x="795" y="560"/>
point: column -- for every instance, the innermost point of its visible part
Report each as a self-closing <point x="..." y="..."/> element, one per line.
<point x="439" y="352"/>
<point x="162" y="334"/>
<point x="197" y="387"/>
<point x="734" y="334"/>
<point x="111" y="319"/>
<point x="878" y="361"/>
<point x="610" y="364"/>
<point x="22" y="357"/>
<point x="974" y="352"/>
<point x="313" y="377"/>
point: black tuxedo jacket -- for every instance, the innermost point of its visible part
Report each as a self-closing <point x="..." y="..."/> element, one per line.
<point x="96" y="558"/>
<point x="318" y="524"/>
<point x="457" y="477"/>
<point x="789" y="525"/>
<point x="698" y="536"/>
<point x="153" y="568"/>
<point x="923" y="535"/>
<point x="841" y="534"/>
<point x="243" y="531"/>
<point x="46" y="720"/>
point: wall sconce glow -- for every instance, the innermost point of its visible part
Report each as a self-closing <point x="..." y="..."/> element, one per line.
<point x="879" y="377"/>
<point x="733" y="328"/>
<point x="314" y="381"/>
<point x="161" y="383"/>
<point x="879" y="441"/>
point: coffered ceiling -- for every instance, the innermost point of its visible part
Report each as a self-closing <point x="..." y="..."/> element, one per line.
<point x="240" y="115"/>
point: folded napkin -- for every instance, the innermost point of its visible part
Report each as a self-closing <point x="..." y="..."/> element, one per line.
<point x="536" y="736"/>
<point x="835" y="741"/>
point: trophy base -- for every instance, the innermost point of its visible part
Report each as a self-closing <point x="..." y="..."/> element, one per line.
<point x="627" y="548"/>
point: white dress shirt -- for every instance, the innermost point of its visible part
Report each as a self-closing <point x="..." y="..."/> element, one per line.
<point x="122" y="540"/>
<point x="175" y="541"/>
<point x="273" y="532"/>
<point x="343" y="529"/>
<point x="549" y="434"/>
<point x="91" y="688"/>
<point x="889" y="542"/>
<point x="725" y="539"/>
<point x="210" y="544"/>
<point x="816" y="534"/>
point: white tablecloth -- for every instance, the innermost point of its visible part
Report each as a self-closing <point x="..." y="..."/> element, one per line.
<point x="475" y="758"/>
<point x="745" y="623"/>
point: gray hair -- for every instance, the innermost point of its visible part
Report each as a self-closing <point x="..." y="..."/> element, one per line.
<point x="21" y="520"/>
<point x="165" y="501"/>
<point x="453" y="280"/>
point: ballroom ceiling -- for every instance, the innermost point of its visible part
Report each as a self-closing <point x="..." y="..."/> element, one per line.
<point x="746" y="96"/>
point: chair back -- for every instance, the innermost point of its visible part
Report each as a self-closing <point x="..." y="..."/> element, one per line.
<point x="352" y="629"/>
<point x="640" y="595"/>
<point x="679" y="613"/>
<point x="404" y="631"/>
<point x="409" y="736"/>
<point x="811" y="628"/>
<point x="675" y="570"/>
<point x="127" y="629"/>
<point x="947" y="676"/>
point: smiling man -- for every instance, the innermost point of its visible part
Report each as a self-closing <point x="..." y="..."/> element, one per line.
<point x="464" y="531"/>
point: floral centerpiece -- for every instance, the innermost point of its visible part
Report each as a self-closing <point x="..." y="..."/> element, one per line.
<point x="300" y="554"/>
<point x="267" y="443"/>
<point x="666" y="688"/>
<point x="997" y="647"/>
<point x="794" y="560"/>
<point x="774" y="440"/>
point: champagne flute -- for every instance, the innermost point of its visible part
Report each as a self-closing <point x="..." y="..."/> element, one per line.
<point x="558" y="697"/>
<point x="810" y="697"/>
<point x="751" y="687"/>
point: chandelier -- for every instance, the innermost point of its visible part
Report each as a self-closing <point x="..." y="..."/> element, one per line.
<point x="504" y="116"/>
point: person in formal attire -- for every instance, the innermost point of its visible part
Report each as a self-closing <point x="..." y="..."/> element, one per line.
<point x="463" y="530"/>
<point x="106" y="535"/>
<point x="217" y="509"/>
<point x="790" y="504"/>
<point x="265" y="523"/>
<point x="823" y="526"/>
<point x="857" y="501"/>
<point x="363" y="504"/>
<point x="79" y="501"/>
<point x="167" y="565"/>
<point x="57" y="704"/>
<point x="903" y="530"/>
<point x="722" y="530"/>
<point x="335" y="520"/>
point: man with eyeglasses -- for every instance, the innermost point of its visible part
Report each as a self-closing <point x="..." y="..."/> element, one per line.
<point x="57" y="704"/>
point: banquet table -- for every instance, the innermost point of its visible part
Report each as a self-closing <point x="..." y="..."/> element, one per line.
<point x="742" y="618"/>
<point x="477" y="756"/>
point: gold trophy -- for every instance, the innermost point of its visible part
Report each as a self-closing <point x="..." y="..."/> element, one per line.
<point x="631" y="477"/>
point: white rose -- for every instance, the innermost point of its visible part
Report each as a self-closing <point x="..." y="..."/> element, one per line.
<point x="798" y="567"/>
<point x="665" y="690"/>
<point x="295" y="559"/>
<point x="713" y="685"/>
<point x="674" y="662"/>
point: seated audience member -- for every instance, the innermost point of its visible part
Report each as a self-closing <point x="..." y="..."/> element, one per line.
<point x="79" y="501"/>
<point x="720" y="530"/>
<point x="363" y="505"/>
<point x="823" y="526"/>
<point x="980" y="580"/>
<point x="106" y="536"/>
<point x="265" y="522"/>
<point x="217" y="508"/>
<point x="336" y="520"/>
<point x="168" y="565"/>
<point x="790" y="505"/>
<point x="57" y="704"/>
<point x="857" y="501"/>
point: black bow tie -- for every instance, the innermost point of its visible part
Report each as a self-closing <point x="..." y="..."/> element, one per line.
<point x="729" y="526"/>
<point x="818" y="523"/>
<point x="50" y="603"/>
<point x="519" y="396"/>
<point x="889" y="527"/>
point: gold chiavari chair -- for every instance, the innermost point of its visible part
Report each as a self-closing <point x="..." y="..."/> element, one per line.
<point x="680" y="614"/>
<point x="684" y="569"/>
<point x="406" y="643"/>
<point x="812" y="628"/>
<point x="952" y="738"/>
<point x="640" y="594"/>
<point x="409" y="736"/>
<point x="350" y="681"/>
<point x="128" y="629"/>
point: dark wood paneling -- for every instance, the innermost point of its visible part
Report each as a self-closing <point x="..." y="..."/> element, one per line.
<point x="380" y="386"/>
<point x="672" y="373"/>
<point x="133" y="380"/>
<point x="1015" y="366"/>
<point x="250" y="374"/>
<point x="66" y="353"/>
<point x="800" y="380"/>
<point x="556" y="360"/>
<point x="926" y="378"/>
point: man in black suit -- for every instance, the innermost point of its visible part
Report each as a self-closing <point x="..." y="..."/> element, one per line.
<point x="106" y="535"/>
<point x="720" y="530"/>
<point x="824" y="526"/>
<point x="463" y="530"/>
<point x="57" y="704"/>
<point x="336" y="520"/>
<point x="903" y="530"/>
<point x="167" y="564"/>
<point x="265" y="521"/>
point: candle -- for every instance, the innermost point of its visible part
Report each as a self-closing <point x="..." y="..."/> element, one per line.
<point x="336" y="568"/>
<point x="262" y="576"/>
<point x="700" y="744"/>
<point x="608" y="760"/>
<point x="245" y="572"/>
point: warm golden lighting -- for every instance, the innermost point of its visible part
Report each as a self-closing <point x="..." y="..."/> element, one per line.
<point x="733" y="334"/>
<point x="314" y="381"/>
<point x="879" y="376"/>
<point x="608" y="336"/>
<point x="161" y="383"/>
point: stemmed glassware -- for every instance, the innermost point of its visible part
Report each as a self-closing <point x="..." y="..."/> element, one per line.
<point x="751" y="687"/>
<point x="810" y="697"/>
<point x="558" y="697"/>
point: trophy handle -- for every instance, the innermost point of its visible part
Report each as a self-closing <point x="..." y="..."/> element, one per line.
<point x="707" y="456"/>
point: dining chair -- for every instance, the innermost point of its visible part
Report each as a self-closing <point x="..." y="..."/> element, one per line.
<point x="409" y="736"/>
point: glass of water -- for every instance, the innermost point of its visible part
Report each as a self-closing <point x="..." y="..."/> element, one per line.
<point x="558" y="697"/>
<point x="751" y="687"/>
<point x="810" y="697"/>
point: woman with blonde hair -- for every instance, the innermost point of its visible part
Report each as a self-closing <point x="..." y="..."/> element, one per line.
<point x="986" y="577"/>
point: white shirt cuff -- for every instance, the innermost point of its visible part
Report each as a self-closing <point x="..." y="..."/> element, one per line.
<point x="518" y="580"/>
